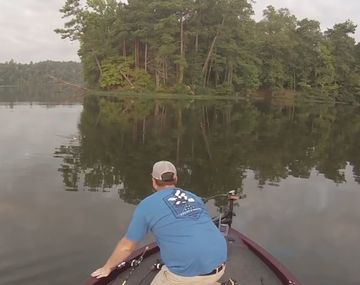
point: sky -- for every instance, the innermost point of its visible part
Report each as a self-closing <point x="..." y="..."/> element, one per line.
<point x="27" y="32"/>
<point x="27" y="26"/>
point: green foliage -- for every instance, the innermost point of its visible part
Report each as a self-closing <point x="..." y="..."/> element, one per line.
<point x="325" y="73"/>
<point x="277" y="35"/>
<point x="114" y="72"/>
<point x="343" y="52"/>
<point x="120" y="73"/>
<point x="210" y="44"/>
<point x="142" y="79"/>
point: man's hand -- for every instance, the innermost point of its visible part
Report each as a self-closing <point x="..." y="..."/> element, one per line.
<point x="123" y="249"/>
<point x="101" y="272"/>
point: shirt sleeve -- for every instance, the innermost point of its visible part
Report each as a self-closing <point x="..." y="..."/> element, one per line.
<point x="138" y="227"/>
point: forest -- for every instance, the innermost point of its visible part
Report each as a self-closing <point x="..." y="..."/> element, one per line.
<point x="211" y="47"/>
<point x="22" y="75"/>
<point x="42" y="81"/>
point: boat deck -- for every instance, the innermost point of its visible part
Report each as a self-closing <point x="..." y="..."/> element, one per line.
<point x="243" y="266"/>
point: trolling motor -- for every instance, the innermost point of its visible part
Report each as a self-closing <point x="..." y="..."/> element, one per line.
<point x="232" y="197"/>
<point x="224" y="220"/>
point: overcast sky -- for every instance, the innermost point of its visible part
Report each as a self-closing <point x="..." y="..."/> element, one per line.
<point x="27" y="26"/>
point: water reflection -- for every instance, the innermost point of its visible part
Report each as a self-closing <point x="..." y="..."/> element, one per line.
<point x="212" y="143"/>
<point x="46" y="92"/>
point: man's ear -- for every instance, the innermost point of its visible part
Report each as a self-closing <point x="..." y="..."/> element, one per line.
<point x="154" y="185"/>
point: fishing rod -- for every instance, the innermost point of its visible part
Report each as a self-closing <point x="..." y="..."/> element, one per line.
<point x="233" y="193"/>
<point x="134" y="264"/>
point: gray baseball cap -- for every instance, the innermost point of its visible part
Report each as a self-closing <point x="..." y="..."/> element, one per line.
<point x="162" y="167"/>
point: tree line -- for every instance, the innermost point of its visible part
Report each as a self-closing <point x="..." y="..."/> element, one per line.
<point x="197" y="46"/>
<point x="24" y="75"/>
<point x="40" y="81"/>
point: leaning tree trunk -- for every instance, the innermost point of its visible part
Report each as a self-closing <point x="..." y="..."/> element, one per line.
<point x="208" y="74"/>
<point x="211" y="50"/>
<point x="98" y="64"/>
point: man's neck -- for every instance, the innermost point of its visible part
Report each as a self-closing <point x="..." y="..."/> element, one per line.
<point x="165" y="187"/>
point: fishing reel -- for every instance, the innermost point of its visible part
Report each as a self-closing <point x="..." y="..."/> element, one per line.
<point x="226" y="215"/>
<point x="136" y="262"/>
<point x="157" y="265"/>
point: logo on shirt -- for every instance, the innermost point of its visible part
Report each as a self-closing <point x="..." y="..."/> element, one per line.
<point x="182" y="205"/>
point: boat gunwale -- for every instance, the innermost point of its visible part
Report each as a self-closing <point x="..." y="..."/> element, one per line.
<point x="152" y="249"/>
<point x="282" y="272"/>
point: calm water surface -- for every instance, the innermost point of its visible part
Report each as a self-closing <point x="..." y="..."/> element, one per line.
<point x="71" y="176"/>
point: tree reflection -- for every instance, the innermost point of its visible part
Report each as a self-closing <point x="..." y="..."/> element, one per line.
<point x="212" y="143"/>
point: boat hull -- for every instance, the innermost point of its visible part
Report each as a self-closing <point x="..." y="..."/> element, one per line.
<point x="248" y="263"/>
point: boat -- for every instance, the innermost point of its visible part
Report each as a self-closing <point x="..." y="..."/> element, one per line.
<point x="248" y="263"/>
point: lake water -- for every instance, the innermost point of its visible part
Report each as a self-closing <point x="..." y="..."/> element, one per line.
<point x="72" y="174"/>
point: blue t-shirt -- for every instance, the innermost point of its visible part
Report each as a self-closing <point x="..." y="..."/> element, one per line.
<point x="190" y="244"/>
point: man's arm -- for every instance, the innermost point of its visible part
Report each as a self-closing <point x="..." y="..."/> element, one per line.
<point x="123" y="249"/>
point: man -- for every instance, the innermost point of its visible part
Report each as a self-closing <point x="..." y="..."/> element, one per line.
<point x="191" y="246"/>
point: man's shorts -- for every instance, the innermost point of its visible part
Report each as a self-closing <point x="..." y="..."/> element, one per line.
<point x="165" y="277"/>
